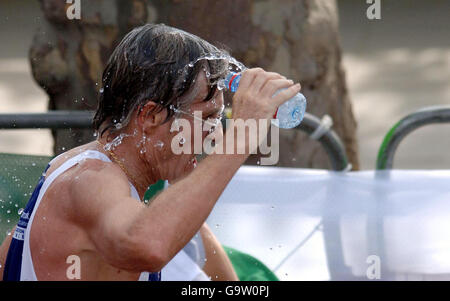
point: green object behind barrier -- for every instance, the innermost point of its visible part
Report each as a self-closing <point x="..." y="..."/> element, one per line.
<point x="19" y="175"/>
<point x="153" y="190"/>
<point x="248" y="268"/>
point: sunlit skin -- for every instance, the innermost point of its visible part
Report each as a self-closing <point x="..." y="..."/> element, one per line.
<point x="88" y="211"/>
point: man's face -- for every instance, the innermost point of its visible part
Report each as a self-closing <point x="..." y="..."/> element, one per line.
<point x="186" y="128"/>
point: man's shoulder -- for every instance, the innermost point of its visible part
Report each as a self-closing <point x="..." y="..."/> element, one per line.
<point x="92" y="179"/>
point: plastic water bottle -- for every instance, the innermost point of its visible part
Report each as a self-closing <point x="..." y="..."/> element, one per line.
<point x="289" y="114"/>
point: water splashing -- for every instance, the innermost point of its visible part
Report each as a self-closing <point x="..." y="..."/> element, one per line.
<point x="179" y="111"/>
<point x="219" y="56"/>
<point x="159" y="144"/>
<point x="116" y="141"/>
<point x="233" y="65"/>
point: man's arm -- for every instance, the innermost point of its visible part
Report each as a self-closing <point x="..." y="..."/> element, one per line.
<point x="218" y="266"/>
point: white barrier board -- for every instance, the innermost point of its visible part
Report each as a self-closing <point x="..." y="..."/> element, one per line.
<point x="317" y="225"/>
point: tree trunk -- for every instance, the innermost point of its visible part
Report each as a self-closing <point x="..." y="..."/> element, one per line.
<point x="297" y="38"/>
<point x="68" y="56"/>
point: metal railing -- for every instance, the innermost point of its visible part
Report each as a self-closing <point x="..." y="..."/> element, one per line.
<point x="83" y="119"/>
<point x="411" y="122"/>
<point x="50" y="119"/>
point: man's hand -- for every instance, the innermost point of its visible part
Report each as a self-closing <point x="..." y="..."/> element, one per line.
<point x="254" y="102"/>
<point x="253" y="99"/>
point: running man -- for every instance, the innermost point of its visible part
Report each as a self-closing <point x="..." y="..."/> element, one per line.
<point x="86" y="205"/>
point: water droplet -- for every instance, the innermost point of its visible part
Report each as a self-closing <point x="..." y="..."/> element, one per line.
<point x="33" y="164"/>
<point x="8" y="211"/>
<point x="8" y="232"/>
<point x="159" y="144"/>
<point x="20" y="211"/>
<point x="116" y="142"/>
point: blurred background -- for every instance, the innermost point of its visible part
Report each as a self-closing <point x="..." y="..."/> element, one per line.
<point x="392" y="66"/>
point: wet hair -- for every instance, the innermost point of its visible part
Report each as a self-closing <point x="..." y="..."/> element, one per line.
<point x="151" y="63"/>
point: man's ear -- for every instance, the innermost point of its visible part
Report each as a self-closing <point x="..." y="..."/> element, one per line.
<point x="150" y="117"/>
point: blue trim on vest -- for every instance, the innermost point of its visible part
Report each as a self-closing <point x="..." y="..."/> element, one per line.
<point x="154" y="276"/>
